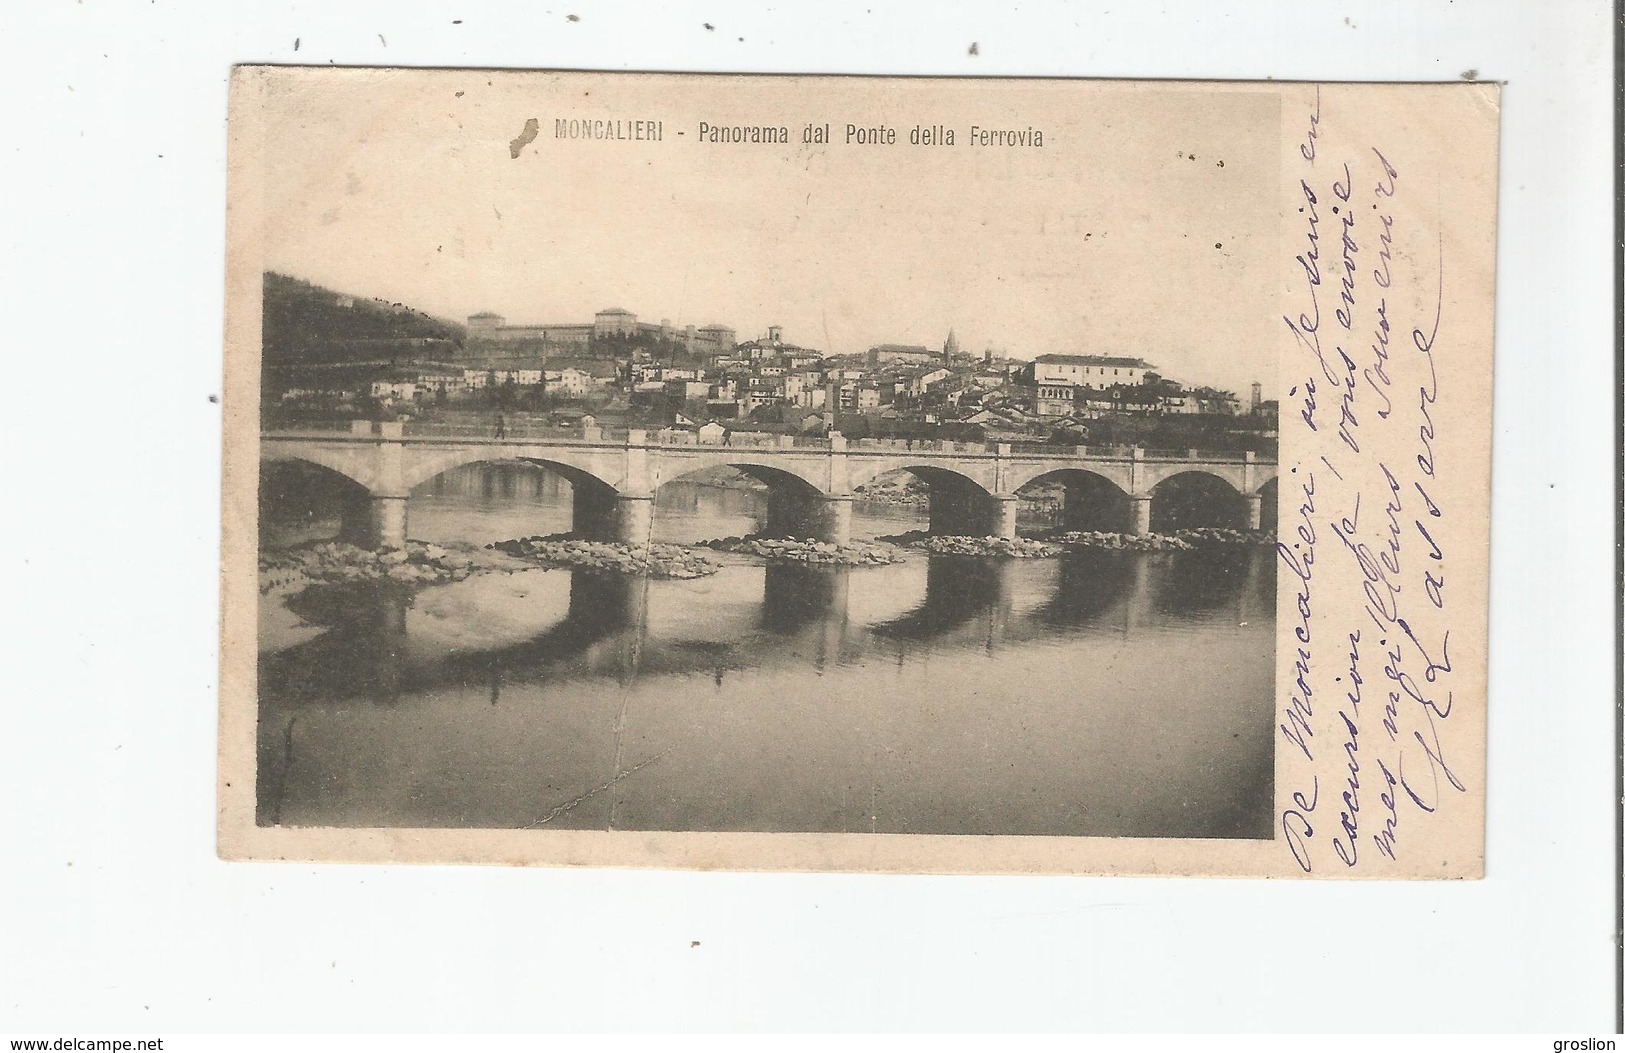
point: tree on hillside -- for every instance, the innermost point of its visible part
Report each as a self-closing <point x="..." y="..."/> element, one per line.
<point x="305" y="323"/>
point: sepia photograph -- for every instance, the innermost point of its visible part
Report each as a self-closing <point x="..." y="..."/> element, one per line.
<point x="814" y="456"/>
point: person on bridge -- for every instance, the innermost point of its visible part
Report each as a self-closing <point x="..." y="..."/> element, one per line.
<point x="727" y="436"/>
<point x="502" y="427"/>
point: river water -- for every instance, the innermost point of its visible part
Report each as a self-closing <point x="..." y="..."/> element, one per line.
<point x="1112" y="694"/>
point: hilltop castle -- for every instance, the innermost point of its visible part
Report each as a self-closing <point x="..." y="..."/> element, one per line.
<point x="606" y="336"/>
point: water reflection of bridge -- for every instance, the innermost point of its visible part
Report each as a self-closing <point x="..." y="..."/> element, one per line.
<point x="617" y="629"/>
<point x="973" y="487"/>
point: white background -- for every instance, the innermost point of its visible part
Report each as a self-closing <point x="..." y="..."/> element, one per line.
<point x="117" y="917"/>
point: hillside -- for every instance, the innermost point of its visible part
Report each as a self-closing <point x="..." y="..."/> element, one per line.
<point x="305" y="324"/>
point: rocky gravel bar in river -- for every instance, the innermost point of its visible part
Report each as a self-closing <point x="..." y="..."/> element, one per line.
<point x="335" y="562"/>
<point x="1055" y="543"/>
<point x="790" y="550"/>
<point x="652" y="560"/>
<point x="963" y="545"/>
<point x="1178" y="541"/>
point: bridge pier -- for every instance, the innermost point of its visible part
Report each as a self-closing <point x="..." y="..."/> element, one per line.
<point x="1001" y="520"/>
<point x="355" y="521"/>
<point x="962" y="513"/>
<point x="377" y="521"/>
<point x="1255" y="511"/>
<point x="786" y="513"/>
<point x="592" y="513"/>
<point x="603" y="515"/>
<point x="953" y="514"/>
<point x="634" y="518"/>
<point x="809" y="517"/>
<point x="1140" y="514"/>
<point x="831" y="518"/>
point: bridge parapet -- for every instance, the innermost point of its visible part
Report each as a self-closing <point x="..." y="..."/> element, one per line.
<point x="771" y="443"/>
<point x="533" y="431"/>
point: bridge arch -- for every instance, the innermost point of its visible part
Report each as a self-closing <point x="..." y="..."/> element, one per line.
<point x="593" y="502"/>
<point x="1195" y="497"/>
<point x="1152" y="474"/>
<point x="792" y="506"/>
<point x="960" y="503"/>
<point x="301" y="499"/>
<point x="774" y="476"/>
<point x="1021" y="475"/>
<point x="1090" y="500"/>
<point x="587" y="466"/>
<point x="970" y="475"/>
<point x="345" y="462"/>
<point x="670" y="465"/>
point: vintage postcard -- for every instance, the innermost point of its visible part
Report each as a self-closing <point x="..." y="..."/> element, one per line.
<point x="857" y="473"/>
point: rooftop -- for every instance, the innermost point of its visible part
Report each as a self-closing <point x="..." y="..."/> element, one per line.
<point x="1094" y="360"/>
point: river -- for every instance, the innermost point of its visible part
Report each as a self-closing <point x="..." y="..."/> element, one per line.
<point x="1107" y="693"/>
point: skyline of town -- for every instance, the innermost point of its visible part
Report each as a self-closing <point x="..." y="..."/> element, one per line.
<point x="1160" y="239"/>
<point x="332" y="349"/>
<point x="776" y="333"/>
<point x="855" y="338"/>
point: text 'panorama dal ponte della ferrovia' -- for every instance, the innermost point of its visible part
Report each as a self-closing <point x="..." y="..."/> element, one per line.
<point x="827" y="133"/>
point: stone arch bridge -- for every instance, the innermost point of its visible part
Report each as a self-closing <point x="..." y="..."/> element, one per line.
<point x="809" y="480"/>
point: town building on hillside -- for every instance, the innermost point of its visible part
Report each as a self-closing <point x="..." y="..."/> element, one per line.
<point x="1063" y="384"/>
<point x="576" y="382"/>
<point x="921" y="381"/>
<point x="686" y="390"/>
<point x="618" y="321"/>
<point x="910" y="354"/>
<point x="394" y="390"/>
<point x="1089" y="371"/>
<point x="1055" y="400"/>
<point x="438" y="382"/>
<point x="490" y="327"/>
<point x="489" y="331"/>
<point x="802" y="357"/>
<point x="774" y="352"/>
<point x="1216" y="403"/>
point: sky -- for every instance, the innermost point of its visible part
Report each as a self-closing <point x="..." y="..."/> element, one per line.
<point x="1146" y="225"/>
